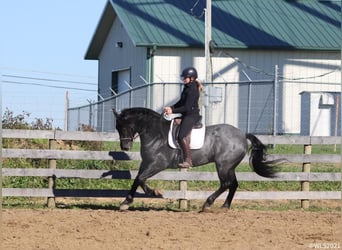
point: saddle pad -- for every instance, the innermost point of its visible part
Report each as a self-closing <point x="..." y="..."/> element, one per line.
<point x="196" y="141"/>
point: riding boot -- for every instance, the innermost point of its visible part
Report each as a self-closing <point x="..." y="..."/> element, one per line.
<point x="185" y="146"/>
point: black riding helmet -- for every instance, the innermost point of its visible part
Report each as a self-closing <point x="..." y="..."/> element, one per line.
<point x="189" y="72"/>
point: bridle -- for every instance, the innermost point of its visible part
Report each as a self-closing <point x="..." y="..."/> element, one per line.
<point x="132" y="138"/>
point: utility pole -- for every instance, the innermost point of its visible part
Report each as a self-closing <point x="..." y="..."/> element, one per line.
<point x="66" y="111"/>
<point x="208" y="68"/>
<point x="339" y="98"/>
<point x="208" y="77"/>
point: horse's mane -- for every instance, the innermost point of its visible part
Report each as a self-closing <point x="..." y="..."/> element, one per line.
<point x="140" y="111"/>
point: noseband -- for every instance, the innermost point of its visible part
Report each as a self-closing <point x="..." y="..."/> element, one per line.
<point x="132" y="138"/>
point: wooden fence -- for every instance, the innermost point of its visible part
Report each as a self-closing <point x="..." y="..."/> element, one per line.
<point x="53" y="154"/>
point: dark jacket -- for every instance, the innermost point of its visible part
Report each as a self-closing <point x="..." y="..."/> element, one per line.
<point x="188" y="103"/>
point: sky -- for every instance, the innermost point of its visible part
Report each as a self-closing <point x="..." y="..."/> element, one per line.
<point x="43" y="43"/>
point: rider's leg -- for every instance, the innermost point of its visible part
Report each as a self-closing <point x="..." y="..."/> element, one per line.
<point x="184" y="139"/>
<point x="185" y="146"/>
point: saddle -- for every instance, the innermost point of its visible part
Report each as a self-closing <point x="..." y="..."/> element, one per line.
<point x="197" y="132"/>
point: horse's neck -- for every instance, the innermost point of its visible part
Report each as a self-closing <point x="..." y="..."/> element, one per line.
<point x="153" y="129"/>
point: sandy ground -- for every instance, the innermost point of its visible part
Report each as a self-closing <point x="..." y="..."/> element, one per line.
<point x="161" y="229"/>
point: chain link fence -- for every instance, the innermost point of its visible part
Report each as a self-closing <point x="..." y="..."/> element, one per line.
<point x="250" y="105"/>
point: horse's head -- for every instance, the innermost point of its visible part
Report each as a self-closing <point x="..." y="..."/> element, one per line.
<point x="126" y="129"/>
<point x="138" y="121"/>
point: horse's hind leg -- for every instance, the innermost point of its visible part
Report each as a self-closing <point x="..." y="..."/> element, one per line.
<point x="212" y="198"/>
<point x="228" y="181"/>
<point x="232" y="189"/>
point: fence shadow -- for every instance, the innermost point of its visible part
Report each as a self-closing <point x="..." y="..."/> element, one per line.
<point x="115" y="207"/>
<point x="119" y="155"/>
<point x="117" y="174"/>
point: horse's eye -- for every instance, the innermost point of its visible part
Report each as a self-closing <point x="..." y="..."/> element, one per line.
<point x="125" y="131"/>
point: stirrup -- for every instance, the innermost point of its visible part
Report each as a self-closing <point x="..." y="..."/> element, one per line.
<point x="185" y="165"/>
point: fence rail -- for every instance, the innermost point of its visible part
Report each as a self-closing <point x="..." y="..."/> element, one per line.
<point x="53" y="154"/>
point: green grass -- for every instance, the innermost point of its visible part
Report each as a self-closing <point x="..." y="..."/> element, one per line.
<point x="299" y="149"/>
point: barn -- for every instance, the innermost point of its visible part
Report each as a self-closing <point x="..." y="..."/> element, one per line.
<point x="264" y="55"/>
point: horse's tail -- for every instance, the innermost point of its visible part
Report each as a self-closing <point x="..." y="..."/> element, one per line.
<point x="257" y="158"/>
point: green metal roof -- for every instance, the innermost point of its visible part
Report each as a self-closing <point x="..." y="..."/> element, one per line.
<point x="305" y="24"/>
<point x="301" y="24"/>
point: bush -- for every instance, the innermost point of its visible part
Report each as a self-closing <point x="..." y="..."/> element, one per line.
<point x="11" y="121"/>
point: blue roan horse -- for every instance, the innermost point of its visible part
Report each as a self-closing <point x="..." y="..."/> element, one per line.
<point x="224" y="144"/>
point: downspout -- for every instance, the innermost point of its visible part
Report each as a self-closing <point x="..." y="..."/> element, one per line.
<point x="149" y="75"/>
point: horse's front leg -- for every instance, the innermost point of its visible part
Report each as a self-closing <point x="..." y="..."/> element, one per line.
<point x="143" y="175"/>
<point x="129" y="198"/>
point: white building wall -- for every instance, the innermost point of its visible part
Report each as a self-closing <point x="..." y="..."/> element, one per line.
<point x="318" y="113"/>
<point x="241" y="65"/>
<point x="169" y="64"/>
<point x="311" y="69"/>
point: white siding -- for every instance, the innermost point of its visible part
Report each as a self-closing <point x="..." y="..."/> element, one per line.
<point x="306" y="65"/>
<point x="318" y="113"/>
<point x="241" y="65"/>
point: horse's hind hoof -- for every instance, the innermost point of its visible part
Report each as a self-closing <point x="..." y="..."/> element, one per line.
<point x="158" y="193"/>
<point x="206" y="209"/>
<point x="124" y="207"/>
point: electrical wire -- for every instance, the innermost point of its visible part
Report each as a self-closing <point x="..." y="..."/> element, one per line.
<point x="47" y="79"/>
<point x="48" y="86"/>
<point x="46" y="72"/>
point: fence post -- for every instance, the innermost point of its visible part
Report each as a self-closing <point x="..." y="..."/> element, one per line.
<point x="306" y="169"/>
<point x="183" y="186"/>
<point x="51" y="179"/>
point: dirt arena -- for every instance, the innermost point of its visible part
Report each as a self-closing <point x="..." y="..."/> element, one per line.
<point x="164" y="229"/>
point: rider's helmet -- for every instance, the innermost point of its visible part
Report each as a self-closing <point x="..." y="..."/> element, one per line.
<point x="189" y="72"/>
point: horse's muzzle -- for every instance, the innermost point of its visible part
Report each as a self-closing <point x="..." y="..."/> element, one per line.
<point x="126" y="145"/>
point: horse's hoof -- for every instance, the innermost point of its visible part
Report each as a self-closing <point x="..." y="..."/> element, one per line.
<point x="158" y="193"/>
<point x="206" y="209"/>
<point x="124" y="207"/>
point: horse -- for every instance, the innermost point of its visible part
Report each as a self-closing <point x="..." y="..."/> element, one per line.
<point x="224" y="144"/>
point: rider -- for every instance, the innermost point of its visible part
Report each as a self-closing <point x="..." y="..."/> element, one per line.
<point x="189" y="108"/>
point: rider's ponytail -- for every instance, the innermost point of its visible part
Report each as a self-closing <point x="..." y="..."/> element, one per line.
<point x="199" y="85"/>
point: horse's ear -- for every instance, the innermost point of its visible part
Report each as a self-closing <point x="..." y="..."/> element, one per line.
<point x="115" y="113"/>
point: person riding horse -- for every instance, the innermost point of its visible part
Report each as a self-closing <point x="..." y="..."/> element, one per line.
<point x="189" y="108"/>
<point x="224" y="145"/>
